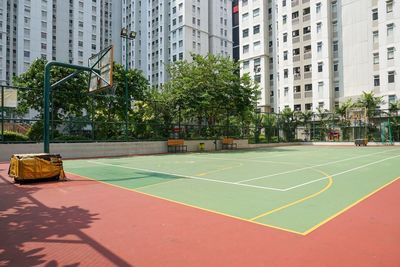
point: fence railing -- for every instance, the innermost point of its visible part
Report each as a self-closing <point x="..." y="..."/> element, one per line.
<point x="99" y="118"/>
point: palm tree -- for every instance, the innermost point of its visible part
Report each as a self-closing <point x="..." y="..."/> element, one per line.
<point x="322" y="116"/>
<point x="370" y="102"/>
<point x="344" y="123"/>
<point x="305" y="119"/>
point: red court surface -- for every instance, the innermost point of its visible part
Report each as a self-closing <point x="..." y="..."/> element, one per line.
<point x="87" y="223"/>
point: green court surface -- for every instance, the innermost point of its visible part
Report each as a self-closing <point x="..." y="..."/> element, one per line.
<point x="296" y="188"/>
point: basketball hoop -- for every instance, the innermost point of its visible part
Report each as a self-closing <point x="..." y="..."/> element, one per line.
<point x="103" y="63"/>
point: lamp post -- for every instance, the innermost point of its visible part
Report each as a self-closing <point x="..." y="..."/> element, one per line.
<point x="127" y="35"/>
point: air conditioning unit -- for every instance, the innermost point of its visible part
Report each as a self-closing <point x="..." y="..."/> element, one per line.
<point x="257" y="69"/>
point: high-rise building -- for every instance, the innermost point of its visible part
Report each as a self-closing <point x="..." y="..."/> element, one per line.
<point x="235" y="30"/>
<point x="310" y="54"/>
<point x="168" y="31"/>
<point x="66" y="31"/>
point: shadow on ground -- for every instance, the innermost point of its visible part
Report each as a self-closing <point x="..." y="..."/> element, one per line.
<point x="23" y="219"/>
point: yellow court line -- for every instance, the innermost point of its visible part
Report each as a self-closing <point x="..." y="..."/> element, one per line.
<point x="299" y="200"/>
<point x="191" y="206"/>
<point x="348" y="207"/>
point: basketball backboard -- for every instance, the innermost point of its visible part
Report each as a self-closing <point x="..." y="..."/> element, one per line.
<point x="103" y="62"/>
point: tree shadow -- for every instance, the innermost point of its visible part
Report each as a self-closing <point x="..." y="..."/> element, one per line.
<point x="24" y="219"/>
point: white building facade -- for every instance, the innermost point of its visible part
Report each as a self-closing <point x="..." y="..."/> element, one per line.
<point x="170" y="30"/>
<point x="319" y="53"/>
<point x="65" y="31"/>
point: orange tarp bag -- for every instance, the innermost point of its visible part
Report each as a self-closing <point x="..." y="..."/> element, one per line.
<point x="36" y="166"/>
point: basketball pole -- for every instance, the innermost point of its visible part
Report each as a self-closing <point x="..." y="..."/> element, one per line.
<point x="47" y="91"/>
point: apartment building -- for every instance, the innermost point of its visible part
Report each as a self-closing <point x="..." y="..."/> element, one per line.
<point x="235" y="30"/>
<point x="67" y="31"/>
<point x="257" y="46"/>
<point x="170" y="30"/>
<point x="320" y="52"/>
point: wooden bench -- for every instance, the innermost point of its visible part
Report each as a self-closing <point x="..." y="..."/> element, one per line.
<point x="228" y="143"/>
<point x="176" y="145"/>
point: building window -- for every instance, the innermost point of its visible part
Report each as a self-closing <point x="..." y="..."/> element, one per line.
<point x="334" y="6"/>
<point x="376" y="80"/>
<point x="391" y="99"/>
<point x="297" y="89"/>
<point x="335" y="66"/>
<point x="320" y="66"/>
<point x="283" y="3"/>
<point x="376" y="58"/>
<point x="318" y="7"/>
<point x="295" y="33"/>
<point x="319" y="26"/>
<point x="321" y="105"/>
<point x="245" y="33"/>
<point x="319" y="47"/>
<point x="257" y="45"/>
<point x="257" y="78"/>
<point x="256" y="29"/>
<point x="295" y="15"/>
<point x="286" y="91"/>
<point x="390" y="29"/>
<point x="285" y="73"/>
<point x="390" y="53"/>
<point x="307" y="30"/>
<point x="256" y="12"/>
<point x="246" y="49"/>
<point x="284" y="19"/>
<point x="308" y="106"/>
<point x="246" y="64"/>
<point x="389" y="6"/>
<point x="375" y="14"/>
<point x="307" y="49"/>
<point x="320" y="87"/>
<point x="297" y="107"/>
<point x="375" y="36"/>
<point x="307" y="68"/>
<point x="391" y="76"/>
<point x="308" y="87"/>
<point x="285" y="55"/>
<point x="285" y="37"/>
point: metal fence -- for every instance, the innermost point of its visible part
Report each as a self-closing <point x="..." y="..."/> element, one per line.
<point x="82" y="117"/>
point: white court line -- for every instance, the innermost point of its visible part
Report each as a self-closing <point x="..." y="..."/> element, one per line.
<point x="186" y="176"/>
<point x="340" y="173"/>
<point x="309" y="167"/>
<point x="246" y="185"/>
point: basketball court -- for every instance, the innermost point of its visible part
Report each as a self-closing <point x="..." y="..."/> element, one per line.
<point x="283" y="206"/>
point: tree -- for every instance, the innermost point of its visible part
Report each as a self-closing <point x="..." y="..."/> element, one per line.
<point x="289" y="121"/>
<point x="344" y="123"/>
<point x="208" y="88"/>
<point x="305" y="118"/>
<point x="370" y="102"/>
<point x="63" y="105"/>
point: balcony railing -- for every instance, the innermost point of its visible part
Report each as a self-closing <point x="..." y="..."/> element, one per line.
<point x="307" y="75"/>
<point x="295" y="3"/>
<point x="306" y="17"/>
<point x="296" y="58"/>
<point x="297" y="95"/>
<point x="296" y="39"/>
<point x="307" y="55"/>
<point x="306" y="37"/>
<point x="308" y="94"/>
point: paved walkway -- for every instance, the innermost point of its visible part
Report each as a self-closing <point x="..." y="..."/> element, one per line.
<point x="86" y="223"/>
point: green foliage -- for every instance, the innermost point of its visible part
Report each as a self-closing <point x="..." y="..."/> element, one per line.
<point x="289" y="120"/>
<point x="35" y="133"/>
<point x="63" y="105"/>
<point x="10" y="136"/>
<point x="208" y="88"/>
<point x="370" y="102"/>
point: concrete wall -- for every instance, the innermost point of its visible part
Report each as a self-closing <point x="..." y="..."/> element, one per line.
<point x="90" y="150"/>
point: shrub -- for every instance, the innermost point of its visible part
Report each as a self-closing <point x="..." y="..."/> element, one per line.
<point x="14" y="136"/>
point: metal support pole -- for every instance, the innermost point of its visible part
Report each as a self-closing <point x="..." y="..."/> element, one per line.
<point x="46" y="96"/>
<point x="126" y="90"/>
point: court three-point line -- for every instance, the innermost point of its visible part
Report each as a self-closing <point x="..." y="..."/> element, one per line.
<point x="308" y="167"/>
<point x="340" y="173"/>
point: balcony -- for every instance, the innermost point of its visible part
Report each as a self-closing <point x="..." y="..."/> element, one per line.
<point x="295" y="3"/>
<point x="308" y="55"/>
<point x="306" y="17"/>
<point x="296" y="58"/>
<point x="308" y="94"/>
<point x="296" y="39"/>
<point x="307" y="75"/>
<point x="307" y="37"/>
<point x="297" y="95"/>
<point x="295" y="21"/>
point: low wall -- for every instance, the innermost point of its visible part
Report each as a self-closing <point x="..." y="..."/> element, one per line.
<point x="92" y="150"/>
